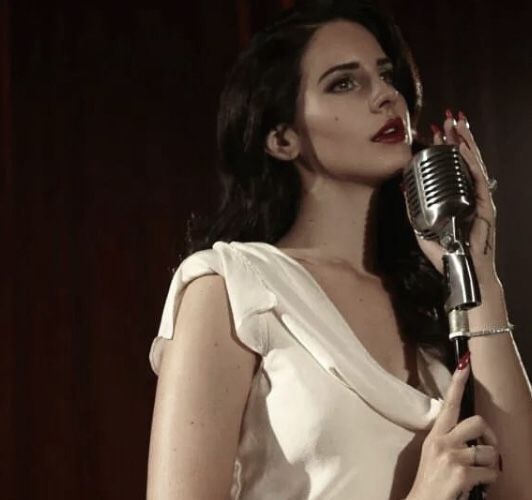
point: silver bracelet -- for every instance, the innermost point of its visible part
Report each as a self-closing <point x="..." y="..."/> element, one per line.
<point x="481" y="333"/>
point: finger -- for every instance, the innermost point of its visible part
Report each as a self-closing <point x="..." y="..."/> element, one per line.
<point x="483" y="195"/>
<point x="463" y="130"/>
<point x="486" y="456"/>
<point x="470" y="429"/>
<point x="437" y="135"/>
<point x="489" y="437"/>
<point x="476" y="161"/>
<point x="451" y="136"/>
<point x="448" y="416"/>
<point x="482" y="475"/>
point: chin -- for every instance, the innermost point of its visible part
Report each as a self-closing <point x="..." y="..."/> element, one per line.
<point x="397" y="160"/>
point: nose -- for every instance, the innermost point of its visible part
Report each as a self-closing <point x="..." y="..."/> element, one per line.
<point x="385" y="95"/>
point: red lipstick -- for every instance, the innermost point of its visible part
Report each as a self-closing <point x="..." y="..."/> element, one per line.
<point x="392" y="132"/>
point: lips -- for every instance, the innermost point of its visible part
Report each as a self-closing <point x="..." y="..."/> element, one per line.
<point x="392" y="131"/>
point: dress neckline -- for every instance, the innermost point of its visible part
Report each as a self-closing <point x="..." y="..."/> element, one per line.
<point x="332" y="306"/>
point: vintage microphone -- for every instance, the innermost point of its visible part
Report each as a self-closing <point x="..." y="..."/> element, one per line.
<point x="440" y="199"/>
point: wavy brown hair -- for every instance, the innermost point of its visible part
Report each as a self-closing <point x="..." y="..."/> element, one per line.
<point x="260" y="196"/>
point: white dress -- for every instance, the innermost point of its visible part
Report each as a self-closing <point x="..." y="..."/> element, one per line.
<point x="323" y="419"/>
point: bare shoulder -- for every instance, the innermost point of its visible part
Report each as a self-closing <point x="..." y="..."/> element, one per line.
<point x="204" y="325"/>
<point x="204" y="381"/>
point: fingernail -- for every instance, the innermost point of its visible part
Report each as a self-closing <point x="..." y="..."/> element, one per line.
<point x="464" y="361"/>
<point x="500" y="462"/>
<point x="448" y="113"/>
<point x="435" y="129"/>
<point x="463" y="117"/>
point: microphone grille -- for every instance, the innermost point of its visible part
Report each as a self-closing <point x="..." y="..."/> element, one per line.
<point x="444" y="175"/>
<point x="437" y="184"/>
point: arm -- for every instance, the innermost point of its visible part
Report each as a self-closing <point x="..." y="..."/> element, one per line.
<point x="204" y="380"/>
<point x="503" y="395"/>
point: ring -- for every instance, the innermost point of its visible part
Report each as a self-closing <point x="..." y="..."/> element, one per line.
<point x="474" y="454"/>
<point x="492" y="185"/>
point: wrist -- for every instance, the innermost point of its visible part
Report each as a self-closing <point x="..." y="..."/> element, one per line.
<point x="492" y="311"/>
<point x="489" y="278"/>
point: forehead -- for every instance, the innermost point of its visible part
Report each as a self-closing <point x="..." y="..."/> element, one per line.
<point x="337" y="42"/>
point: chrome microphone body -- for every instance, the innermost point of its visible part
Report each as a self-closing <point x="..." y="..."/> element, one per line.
<point x="440" y="200"/>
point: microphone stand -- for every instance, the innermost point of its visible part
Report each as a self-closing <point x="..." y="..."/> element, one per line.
<point x="463" y="294"/>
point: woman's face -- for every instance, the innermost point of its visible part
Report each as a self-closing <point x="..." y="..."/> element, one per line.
<point x="340" y="110"/>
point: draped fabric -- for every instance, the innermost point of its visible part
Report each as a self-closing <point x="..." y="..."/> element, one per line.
<point x="323" y="419"/>
<point x="107" y="125"/>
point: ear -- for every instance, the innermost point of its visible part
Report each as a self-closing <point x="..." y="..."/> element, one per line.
<point x="282" y="143"/>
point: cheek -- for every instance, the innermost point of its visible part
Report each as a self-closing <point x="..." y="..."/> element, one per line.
<point x="335" y="135"/>
<point x="332" y="116"/>
<point x="342" y="151"/>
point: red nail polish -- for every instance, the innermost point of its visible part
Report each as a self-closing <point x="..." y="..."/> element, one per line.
<point x="462" y="116"/>
<point x="448" y="113"/>
<point x="464" y="361"/>
<point x="435" y="129"/>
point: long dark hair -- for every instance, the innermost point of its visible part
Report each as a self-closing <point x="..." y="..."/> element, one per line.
<point x="261" y="196"/>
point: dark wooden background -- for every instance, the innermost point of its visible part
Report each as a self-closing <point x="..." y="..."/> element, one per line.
<point x="107" y="133"/>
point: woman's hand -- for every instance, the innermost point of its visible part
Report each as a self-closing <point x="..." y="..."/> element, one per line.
<point x="448" y="469"/>
<point x="482" y="236"/>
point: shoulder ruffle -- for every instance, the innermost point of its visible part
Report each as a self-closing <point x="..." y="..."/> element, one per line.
<point x="248" y="297"/>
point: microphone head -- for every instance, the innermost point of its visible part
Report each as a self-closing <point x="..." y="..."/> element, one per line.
<point x="438" y="186"/>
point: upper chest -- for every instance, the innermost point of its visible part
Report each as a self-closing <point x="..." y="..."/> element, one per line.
<point x="368" y="310"/>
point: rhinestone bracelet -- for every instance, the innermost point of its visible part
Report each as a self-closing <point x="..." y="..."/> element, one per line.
<point x="481" y="333"/>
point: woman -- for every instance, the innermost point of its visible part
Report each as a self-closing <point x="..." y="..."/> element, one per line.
<point x="303" y="348"/>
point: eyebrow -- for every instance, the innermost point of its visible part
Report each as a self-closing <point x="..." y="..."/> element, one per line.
<point x="352" y="65"/>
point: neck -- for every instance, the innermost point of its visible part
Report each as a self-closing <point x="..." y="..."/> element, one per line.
<point x="336" y="223"/>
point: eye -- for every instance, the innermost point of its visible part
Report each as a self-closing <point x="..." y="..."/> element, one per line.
<point x="388" y="76"/>
<point x="342" y="84"/>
